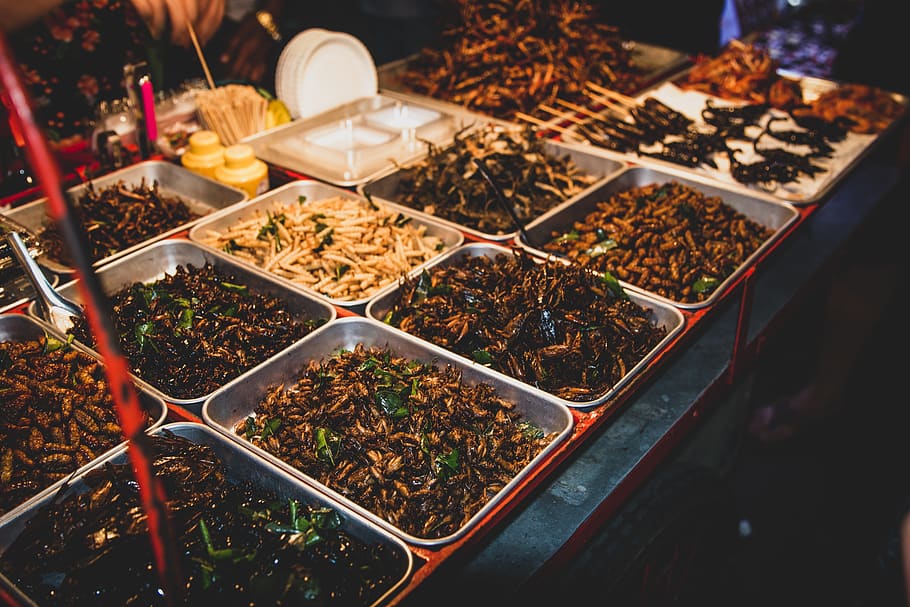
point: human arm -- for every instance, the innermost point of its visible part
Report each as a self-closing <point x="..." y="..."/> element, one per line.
<point x="175" y="17"/>
<point x="246" y="55"/>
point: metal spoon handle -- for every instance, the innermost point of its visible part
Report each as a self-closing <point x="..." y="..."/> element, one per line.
<point x="48" y="298"/>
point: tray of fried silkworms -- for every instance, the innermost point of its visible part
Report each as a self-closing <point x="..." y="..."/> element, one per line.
<point x="57" y="415"/>
<point x="739" y="121"/>
<point x="555" y="326"/>
<point x="408" y="434"/>
<point x="190" y="320"/>
<point x="534" y="174"/>
<point x="127" y="209"/>
<point x="515" y="57"/>
<point x="246" y="532"/>
<point x="681" y="239"/>
<point x="334" y="243"/>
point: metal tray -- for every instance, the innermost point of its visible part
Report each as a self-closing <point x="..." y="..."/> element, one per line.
<point x="16" y="288"/>
<point x="162" y="257"/>
<point x="657" y="63"/>
<point x="663" y="314"/>
<point x="312" y="190"/>
<point x="242" y="466"/>
<point x="201" y="194"/>
<point x="767" y="211"/>
<point x="588" y="159"/>
<point x="239" y="398"/>
<point x="353" y="143"/>
<point x="16" y="327"/>
<point x="806" y="190"/>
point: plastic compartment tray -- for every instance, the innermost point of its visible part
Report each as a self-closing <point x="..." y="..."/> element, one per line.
<point x="356" y="141"/>
<point x="239" y="398"/>
<point x="241" y="465"/>
<point x="20" y="327"/>
<point x="201" y="194"/>
<point x="387" y="186"/>
<point x="771" y="213"/>
<point x="663" y="314"/>
<point x="160" y="258"/>
<point x="311" y="190"/>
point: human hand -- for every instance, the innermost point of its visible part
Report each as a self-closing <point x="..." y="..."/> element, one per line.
<point x="204" y="15"/>
<point x="246" y="56"/>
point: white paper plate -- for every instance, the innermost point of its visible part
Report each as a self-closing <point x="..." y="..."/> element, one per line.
<point x="319" y="70"/>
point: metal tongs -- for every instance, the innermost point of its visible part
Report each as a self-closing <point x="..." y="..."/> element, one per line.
<point x="56" y="309"/>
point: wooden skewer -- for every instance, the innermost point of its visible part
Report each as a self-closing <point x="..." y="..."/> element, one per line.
<point x="617" y="110"/>
<point x="560" y="114"/>
<point x="580" y="109"/>
<point x="205" y="66"/>
<point x="539" y="122"/>
<point x="618" y="97"/>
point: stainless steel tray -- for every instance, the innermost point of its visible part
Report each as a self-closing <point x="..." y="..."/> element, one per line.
<point x="663" y="314"/>
<point x="767" y="211"/>
<point x="201" y="194"/>
<point x="16" y="327"/>
<point x="589" y="160"/>
<point x="239" y="399"/>
<point x="241" y="465"/>
<point x="154" y="261"/>
<point x="311" y="190"/>
<point x="358" y="140"/>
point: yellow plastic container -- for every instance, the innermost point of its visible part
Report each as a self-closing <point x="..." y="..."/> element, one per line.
<point x="205" y="153"/>
<point x="243" y="170"/>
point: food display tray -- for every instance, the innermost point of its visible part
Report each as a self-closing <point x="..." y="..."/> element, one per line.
<point x="806" y="189"/>
<point x="663" y="314"/>
<point x="765" y="210"/>
<point x="310" y="190"/>
<point x="163" y="257"/>
<point x="242" y="465"/>
<point x="238" y="399"/>
<point x="656" y="62"/>
<point x="356" y="141"/>
<point x="201" y="195"/>
<point x="17" y="327"/>
<point x="387" y="186"/>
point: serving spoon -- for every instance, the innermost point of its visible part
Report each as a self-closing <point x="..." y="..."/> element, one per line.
<point x="56" y="309"/>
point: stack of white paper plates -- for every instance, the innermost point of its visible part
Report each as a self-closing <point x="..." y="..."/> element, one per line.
<point x="319" y="70"/>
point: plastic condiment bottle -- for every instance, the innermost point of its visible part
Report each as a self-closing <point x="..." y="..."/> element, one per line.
<point x="205" y="153"/>
<point x="243" y="170"/>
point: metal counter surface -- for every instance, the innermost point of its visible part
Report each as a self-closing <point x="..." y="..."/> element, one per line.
<point x="538" y="538"/>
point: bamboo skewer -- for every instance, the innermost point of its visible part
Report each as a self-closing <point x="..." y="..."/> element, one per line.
<point x="617" y="110"/>
<point x="205" y="66"/>
<point x="560" y="114"/>
<point x="543" y="123"/>
<point x="618" y="97"/>
<point x="582" y="109"/>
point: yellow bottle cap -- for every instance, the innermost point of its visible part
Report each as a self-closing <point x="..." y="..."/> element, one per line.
<point x="242" y="169"/>
<point x="205" y="153"/>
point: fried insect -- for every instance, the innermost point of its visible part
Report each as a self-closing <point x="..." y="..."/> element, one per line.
<point x="117" y="217"/>
<point x="558" y="327"/>
<point x="408" y="440"/>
